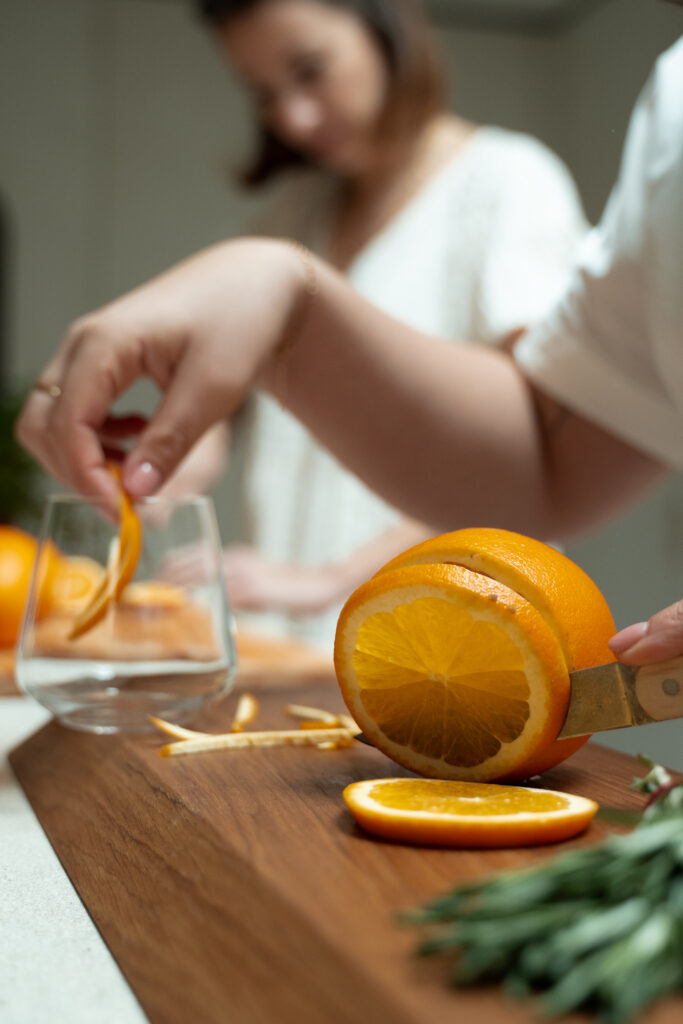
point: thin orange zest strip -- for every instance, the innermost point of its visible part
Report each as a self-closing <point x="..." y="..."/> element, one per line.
<point x="117" y="577"/>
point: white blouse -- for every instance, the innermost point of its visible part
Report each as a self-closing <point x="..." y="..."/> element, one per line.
<point x="483" y="248"/>
<point x="612" y="349"/>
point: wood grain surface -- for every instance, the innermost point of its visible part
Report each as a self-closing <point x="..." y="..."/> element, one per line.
<point x="235" y="887"/>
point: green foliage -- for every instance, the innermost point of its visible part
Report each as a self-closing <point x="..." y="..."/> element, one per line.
<point x="597" y="929"/>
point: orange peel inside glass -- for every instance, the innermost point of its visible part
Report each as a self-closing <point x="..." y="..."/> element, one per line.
<point x="119" y="572"/>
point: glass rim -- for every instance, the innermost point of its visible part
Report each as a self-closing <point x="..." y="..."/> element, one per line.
<point x="71" y="498"/>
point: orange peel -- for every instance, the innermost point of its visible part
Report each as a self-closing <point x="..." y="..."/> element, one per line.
<point x="240" y="740"/>
<point x="118" y="576"/>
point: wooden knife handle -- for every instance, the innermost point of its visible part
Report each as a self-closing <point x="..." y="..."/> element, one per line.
<point x="659" y="689"/>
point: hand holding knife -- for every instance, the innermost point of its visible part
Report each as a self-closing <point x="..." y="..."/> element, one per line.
<point x="615" y="696"/>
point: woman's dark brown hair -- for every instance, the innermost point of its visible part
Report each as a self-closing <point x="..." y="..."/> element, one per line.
<point x="408" y="46"/>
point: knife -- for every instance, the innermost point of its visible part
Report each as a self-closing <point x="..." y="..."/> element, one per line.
<point x="615" y="696"/>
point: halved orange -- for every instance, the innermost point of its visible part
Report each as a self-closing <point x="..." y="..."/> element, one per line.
<point x="450" y="673"/>
<point x="558" y="588"/>
<point x="466" y="814"/>
<point x="454" y="658"/>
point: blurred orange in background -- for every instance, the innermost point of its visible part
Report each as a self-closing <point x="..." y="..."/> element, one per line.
<point x="17" y="555"/>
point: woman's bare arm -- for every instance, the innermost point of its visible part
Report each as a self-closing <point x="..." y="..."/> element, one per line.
<point x="438" y="429"/>
<point x="451" y="433"/>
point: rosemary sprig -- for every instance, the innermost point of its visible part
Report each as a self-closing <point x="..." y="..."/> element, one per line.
<point x="600" y="928"/>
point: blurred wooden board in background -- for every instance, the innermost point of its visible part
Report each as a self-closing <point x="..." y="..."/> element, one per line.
<point x="257" y="655"/>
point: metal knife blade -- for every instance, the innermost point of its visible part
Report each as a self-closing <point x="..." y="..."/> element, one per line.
<point x="615" y="696"/>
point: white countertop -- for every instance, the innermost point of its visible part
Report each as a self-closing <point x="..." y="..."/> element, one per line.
<point x="54" y="966"/>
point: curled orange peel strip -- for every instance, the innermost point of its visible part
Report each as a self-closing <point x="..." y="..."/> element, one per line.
<point x="247" y="710"/>
<point x="118" y="575"/>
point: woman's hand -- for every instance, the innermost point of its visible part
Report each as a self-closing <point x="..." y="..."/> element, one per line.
<point x="202" y="332"/>
<point x="658" y="639"/>
<point x="256" y="583"/>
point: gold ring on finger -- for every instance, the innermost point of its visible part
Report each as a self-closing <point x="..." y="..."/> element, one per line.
<point x="53" y="390"/>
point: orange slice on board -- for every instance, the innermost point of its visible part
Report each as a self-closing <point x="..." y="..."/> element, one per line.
<point x="119" y="573"/>
<point x="466" y="814"/>
<point x="454" y="659"/>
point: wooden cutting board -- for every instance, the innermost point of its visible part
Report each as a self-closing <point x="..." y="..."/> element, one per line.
<point x="234" y="886"/>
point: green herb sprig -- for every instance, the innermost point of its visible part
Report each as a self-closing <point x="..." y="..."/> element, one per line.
<point x="600" y="928"/>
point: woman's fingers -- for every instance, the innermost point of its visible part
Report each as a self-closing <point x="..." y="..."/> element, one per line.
<point x="191" y="404"/>
<point x="34" y="425"/>
<point x="256" y="583"/>
<point x="32" y="428"/>
<point x="236" y="298"/>
<point x="60" y="429"/>
<point x="101" y="366"/>
<point x="72" y="433"/>
<point x="658" y="639"/>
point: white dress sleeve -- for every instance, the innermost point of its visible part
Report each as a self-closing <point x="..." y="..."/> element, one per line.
<point x="535" y="223"/>
<point x="612" y="348"/>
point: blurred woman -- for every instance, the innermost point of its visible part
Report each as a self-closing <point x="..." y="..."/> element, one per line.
<point x="456" y="229"/>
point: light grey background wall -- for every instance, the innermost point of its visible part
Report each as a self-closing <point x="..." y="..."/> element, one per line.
<point x="118" y="123"/>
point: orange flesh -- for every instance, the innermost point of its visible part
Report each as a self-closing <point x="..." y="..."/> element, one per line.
<point x="473" y="798"/>
<point x="448" y="696"/>
<point x="466" y="814"/>
<point x="539" y="574"/>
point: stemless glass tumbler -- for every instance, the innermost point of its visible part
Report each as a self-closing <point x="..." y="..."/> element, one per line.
<point x="157" y="648"/>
